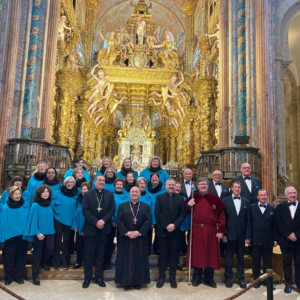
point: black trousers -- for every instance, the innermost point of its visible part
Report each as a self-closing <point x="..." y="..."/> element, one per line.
<point x="79" y="248"/>
<point x="110" y="247"/>
<point x="155" y="242"/>
<point x="149" y="238"/>
<point x="169" y="250"/>
<point x="208" y="274"/>
<point x="287" y="256"/>
<point x="94" y="246"/>
<point x="65" y="232"/>
<point x="15" y="250"/>
<point x="231" y="248"/>
<point x="258" y="252"/>
<point x="42" y="251"/>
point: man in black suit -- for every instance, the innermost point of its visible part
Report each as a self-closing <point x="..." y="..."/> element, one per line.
<point x="186" y="183"/>
<point x="263" y="234"/>
<point x="288" y="235"/>
<point x="216" y="186"/>
<point x="249" y="184"/>
<point x="169" y="214"/>
<point x="98" y="207"/>
<point x="238" y="232"/>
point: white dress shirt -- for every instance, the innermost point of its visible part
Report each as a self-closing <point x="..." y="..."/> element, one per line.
<point x="237" y="204"/>
<point x="293" y="209"/>
<point x="261" y="208"/>
<point x="188" y="187"/>
<point x="248" y="183"/>
<point x="218" y="189"/>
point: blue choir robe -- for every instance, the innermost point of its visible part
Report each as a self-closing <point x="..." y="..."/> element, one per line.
<point x="31" y="188"/>
<point x="185" y="226"/>
<point x="163" y="175"/>
<point x="12" y="221"/>
<point x="4" y="197"/>
<point x="40" y="220"/>
<point x="119" y="199"/>
<point x="64" y="207"/>
<point x="54" y="188"/>
<point x="161" y="191"/>
<point x="120" y="175"/>
<point x="86" y="175"/>
<point x="148" y="199"/>
<point x="78" y="220"/>
<point x="110" y="187"/>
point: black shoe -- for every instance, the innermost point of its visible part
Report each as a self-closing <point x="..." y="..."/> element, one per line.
<point x="242" y="284"/>
<point x="64" y="266"/>
<point x="196" y="281"/>
<point x="287" y="290"/>
<point x="212" y="284"/>
<point x="36" y="281"/>
<point x="160" y="283"/>
<point x="100" y="282"/>
<point x="229" y="283"/>
<point x="179" y="267"/>
<point x="56" y="266"/>
<point x="86" y="283"/>
<point x="126" y="287"/>
<point x="76" y="266"/>
<point x="257" y="285"/>
<point x="173" y="283"/>
<point x="137" y="287"/>
<point x="20" y="281"/>
<point x="8" y="282"/>
<point x="46" y="268"/>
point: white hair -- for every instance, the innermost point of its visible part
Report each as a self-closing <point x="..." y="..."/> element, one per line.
<point x="67" y="178"/>
<point x="289" y="187"/>
<point x="168" y="180"/>
<point x="152" y="158"/>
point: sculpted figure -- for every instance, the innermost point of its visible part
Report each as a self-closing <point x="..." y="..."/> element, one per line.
<point x="196" y="73"/>
<point x="217" y="35"/>
<point x="141" y="27"/>
<point x="73" y="61"/>
<point x="158" y="33"/>
<point x="112" y="43"/>
<point x="61" y="29"/>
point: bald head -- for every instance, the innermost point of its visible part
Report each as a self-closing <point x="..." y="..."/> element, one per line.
<point x="135" y="194"/>
<point x="187" y="174"/>
<point x="246" y="169"/>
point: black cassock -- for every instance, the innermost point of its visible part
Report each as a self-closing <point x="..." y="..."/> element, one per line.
<point x="132" y="264"/>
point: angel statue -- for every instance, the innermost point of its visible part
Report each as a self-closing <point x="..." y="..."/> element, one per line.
<point x="158" y="33"/>
<point x="125" y="42"/>
<point x="61" y="29"/>
<point x="127" y="122"/>
<point x="112" y="43"/>
<point x="133" y="6"/>
<point x="217" y="35"/>
<point x="72" y="60"/>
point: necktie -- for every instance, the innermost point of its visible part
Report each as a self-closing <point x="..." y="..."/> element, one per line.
<point x="264" y="206"/>
<point x="218" y="183"/>
<point x="187" y="182"/>
<point x="294" y="203"/>
<point x="237" y="198"/>
<point x="247" y="178"/>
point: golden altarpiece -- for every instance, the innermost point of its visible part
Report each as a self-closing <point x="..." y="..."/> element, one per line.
<point x="138" y="97"/>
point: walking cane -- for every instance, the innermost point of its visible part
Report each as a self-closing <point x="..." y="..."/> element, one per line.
<point x="191" y="233"/>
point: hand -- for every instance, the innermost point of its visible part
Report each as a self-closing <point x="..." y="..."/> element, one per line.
<point x="248" y="242"/>
<point x="130" y="234"/>
<point x="219" y="235"/>
<point x="40" y="236"/>
<point x="192" y="202"/>
<point x="224" y="239"/>
<point x="114" y="224"/>
<point x="75" y="229"/>
<point x="292" y="237"/>
<point x="100" y="224"/>
<point x="135" y="234"/>
<point x="275" y="244"/>
<point x="171" y="227"/>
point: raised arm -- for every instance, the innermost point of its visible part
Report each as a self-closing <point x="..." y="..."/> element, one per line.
<point x="102" y="37"/>
<point x="93" y="72"/>
<point x="182" y="79"/>
<point x="155" y="103"/>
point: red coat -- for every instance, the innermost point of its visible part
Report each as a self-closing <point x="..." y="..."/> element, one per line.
<point x="208" y="220"/>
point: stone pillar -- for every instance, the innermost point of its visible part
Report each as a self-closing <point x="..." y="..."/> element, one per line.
<point x="173" y="155"/>
<point x="224" y="76"/>
<point x="8" y="78"/>
<point x="110" y="146"/>
<point x="262" y="96"/>
<point x="49" y="78"/>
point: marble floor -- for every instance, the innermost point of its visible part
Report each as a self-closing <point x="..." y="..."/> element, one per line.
<point x="72" y="290"/>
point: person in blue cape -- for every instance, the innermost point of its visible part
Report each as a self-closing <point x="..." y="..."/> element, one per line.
<point x="36" y="180"/>
<point x="40" y="230"/>
<point x="127" y="167"/>
<point x="51" y="180"/>
<point x="147" y="198"/>
<point x="79" y="163"/>
<point x="155" y="187"/>
<point x="129" y="182"/>
<point x="16" y="181"/>
<point x="106" y="162"/>
<point x="78" y="175"/>
<point x="154" y="166"/>
<point x="13" y="217"/>
<point x="77" y="225"/>
<point x="119" y="197"/>
<point x="64" y="207"/>
<point x="110" y="176"/>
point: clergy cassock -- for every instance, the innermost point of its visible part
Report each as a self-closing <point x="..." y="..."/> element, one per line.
<point x="208" y="220"/>
<point x="132" y="265"/>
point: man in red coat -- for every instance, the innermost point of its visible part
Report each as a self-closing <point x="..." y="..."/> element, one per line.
<point x="208" y="229"/>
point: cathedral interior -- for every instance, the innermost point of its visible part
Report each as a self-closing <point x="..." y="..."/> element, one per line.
<point x="208" y="84"/>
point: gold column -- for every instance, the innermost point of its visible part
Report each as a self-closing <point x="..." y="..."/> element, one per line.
<point x="8" y="77"/>
<point x="62" y="124"/>
<point x="262" y="95"/>
<point x="50" y="63"/>
<point x="188" y="141"/>
<point x="173" y="154"/>
<point x="180" y="149"/>
<point x="110" y="146"/>
<point x="205" y="123"/>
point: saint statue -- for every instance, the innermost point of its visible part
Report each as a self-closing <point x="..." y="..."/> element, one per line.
<point x="73" y="65"/>
<point x="158" y="33"/>
<point x="127" y="122"/>
<point x="61" y="29"/>
<point x="141" y="30"/>
<point x="217" y="35"/>
<point x="136" y="154"/>
<point x="111" y="47"/>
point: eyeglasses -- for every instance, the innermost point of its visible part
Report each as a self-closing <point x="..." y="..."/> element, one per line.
<point x="69" y="182"/>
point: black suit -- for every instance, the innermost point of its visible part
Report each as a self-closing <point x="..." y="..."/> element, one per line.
<point x="263" y="237"/>
<point x="255" y="186"/>
<point x="169" y="210"/>
<point x="183" y="189"/>
<point x="238" y="228"/>
<point x="285" y="226"/>
<point x="225" y="190"/>
<point x="95" y="239"/>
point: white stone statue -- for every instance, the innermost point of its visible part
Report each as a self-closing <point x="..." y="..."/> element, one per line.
<point x="141" y="30"/>
<point x="61" y="29"/>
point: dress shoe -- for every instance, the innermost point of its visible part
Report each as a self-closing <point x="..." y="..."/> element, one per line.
<point x="137" y="287"/>
<point x="160" y="283"/>
<point x="20" y="281"/>
<point x="287" y="290"/>
<point x="86" y="283"/>
<point x="46" y="268"/>
<point x="196" y="281"/>
<point x="100" y="282"/>
<point x="212" y="284"/>
<point x="8" y="282"/>
<point x="173" y="283"/>
<point x="179" y="267"/>
<point x="126" y="287"/>
<point x="56" y="266"/>
<point x="76" y="266"/>
<point x="242" y="284"/>
<point x="257" y="285"/>
<point x="64" y="266"/>
<point x="36" y="281"/>
<point x="229" y="283"/>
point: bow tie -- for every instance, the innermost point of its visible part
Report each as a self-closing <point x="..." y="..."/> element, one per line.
<point x="237" y="198"/>
<point x="247" y="178"/>
<point x="187" y="182"/>
<point x="264" y="206"/>
<point x="294" y="203"/>
<point x="217" y="183"/>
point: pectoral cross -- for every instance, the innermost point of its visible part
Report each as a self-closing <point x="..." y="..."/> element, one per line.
<point x="134" y="220"/>
<point x="99" y="209"/>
